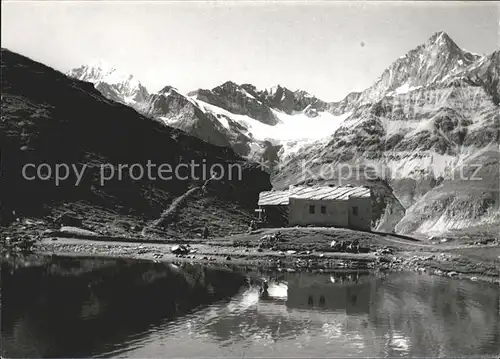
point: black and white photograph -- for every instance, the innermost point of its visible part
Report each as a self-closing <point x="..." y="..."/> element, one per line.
<point x="250" y="179"/>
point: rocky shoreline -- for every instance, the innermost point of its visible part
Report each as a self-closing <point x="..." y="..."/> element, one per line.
<point x="299" y="249"/>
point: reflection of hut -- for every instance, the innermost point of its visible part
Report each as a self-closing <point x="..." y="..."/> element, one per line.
<point x="350" y="297"/>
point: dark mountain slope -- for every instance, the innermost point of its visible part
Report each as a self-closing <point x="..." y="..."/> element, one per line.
<point x="52" y="119"/>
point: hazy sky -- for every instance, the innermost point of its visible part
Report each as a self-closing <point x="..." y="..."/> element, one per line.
<point x="327" y="48"/>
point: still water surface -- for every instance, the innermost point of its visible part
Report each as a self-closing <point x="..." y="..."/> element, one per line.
<point x="112" y="308"/>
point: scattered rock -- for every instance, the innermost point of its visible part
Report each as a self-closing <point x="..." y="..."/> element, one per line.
<point x="122" y="225"/>
<point x="452" y="274"/>
<point x="29" y="222"/>
<point x="179" y="249"/>
<point x="444" y="257"/>
<point x="384" y="251"/>
<point x="384" y="260"/>
<point x="346" y="246"/>
<point x="77" y="231"/>
<point x="270" y="240"/>
<point x="136" y="228"/>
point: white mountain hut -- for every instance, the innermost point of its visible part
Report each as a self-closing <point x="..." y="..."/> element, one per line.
<point x="331" y="206"/>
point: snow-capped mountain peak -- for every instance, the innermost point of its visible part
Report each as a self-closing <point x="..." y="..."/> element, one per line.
<point x="441" y="39"/>
<point x="100" y="70"/>
<point x="435" y="60"/>
<point x="117" y="85"/>
<point x="168" y="89"/>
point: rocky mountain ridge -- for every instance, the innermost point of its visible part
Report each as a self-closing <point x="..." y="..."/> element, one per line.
<point x="222" y="116"/>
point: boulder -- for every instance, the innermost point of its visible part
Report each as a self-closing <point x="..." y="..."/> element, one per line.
<point x="179" y="249"/>
<point x="77" y="231"/>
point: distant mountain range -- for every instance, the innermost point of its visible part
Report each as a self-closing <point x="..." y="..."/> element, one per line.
<point x="424" y="136"/>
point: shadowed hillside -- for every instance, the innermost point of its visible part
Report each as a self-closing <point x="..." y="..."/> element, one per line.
<point x="48" y="118"/>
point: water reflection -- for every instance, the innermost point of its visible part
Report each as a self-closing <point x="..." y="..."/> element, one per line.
<point x="344" y="292"/>
<point x="403" y="314"/>
<point x="69" y="308"/>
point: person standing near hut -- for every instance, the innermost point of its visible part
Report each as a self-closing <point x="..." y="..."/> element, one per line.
<point x="252" y="226"/>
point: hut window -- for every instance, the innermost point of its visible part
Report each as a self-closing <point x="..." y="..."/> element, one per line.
<point x="355" y="210"/>
<point x="312" y="209"/>
<point x="323" y="209"/>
